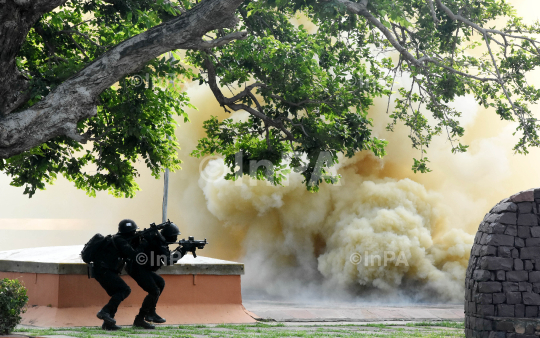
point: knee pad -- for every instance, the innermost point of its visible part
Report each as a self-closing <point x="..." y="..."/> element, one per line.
<point x="161" y="285"/>
<point x="155" y="293"/>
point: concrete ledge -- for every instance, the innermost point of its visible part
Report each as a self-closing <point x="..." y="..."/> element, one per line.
<point x="198" y="290"/>
<point x="43" y="316"/>
<point x="65" y="260"/>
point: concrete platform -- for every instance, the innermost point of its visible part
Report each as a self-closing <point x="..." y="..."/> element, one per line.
<point x="353" y="312"/>
<point x="198" y="290"/>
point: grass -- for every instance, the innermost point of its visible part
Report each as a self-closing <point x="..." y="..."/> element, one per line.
<point x="269" y="330"/>
<point x="449" y="324"/>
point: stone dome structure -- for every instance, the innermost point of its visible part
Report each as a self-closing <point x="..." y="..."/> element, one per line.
<point x="502" y="285"/>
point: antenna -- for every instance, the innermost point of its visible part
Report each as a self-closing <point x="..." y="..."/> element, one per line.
<point x="166" y="178"/>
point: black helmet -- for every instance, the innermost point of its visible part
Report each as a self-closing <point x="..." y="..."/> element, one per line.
<point x="169" y="230"/>
<point x="126" y="226"/>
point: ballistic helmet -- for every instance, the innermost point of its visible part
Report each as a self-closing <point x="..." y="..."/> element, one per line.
<point x="126" y="226"/>
<point x="170" y="230"/>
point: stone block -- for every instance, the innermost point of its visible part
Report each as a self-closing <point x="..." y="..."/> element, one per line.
<point x="511" y="230"/>
<point x="488" y="250"/>
<point x="502" y="207"/>
<point x="475" y="251"/>
<point x="472" y="307"/>
<point x="519" y="242"/>
<point x="505" y="310"/>
<point x="528" y="265"/>
<point x="531" y="298"/>
<point x="508" y="218"/>
<point x="513" y="298"/>
<point x="487" y="324"/>
<point x="484" y="298"/>
<point x="476" y="323"/>
<point x="497" y="334"/>
<point x="534" y="276"/>
<point x="498" y="240"/>
<point x="525" y="207"/>
<point x="500" y="275"/>
<point x="489" y="287"/>
<point x="483" y="239"/>
<point x="497" y="263"/>
<point x="485" y="310"/>
<point x="494" y="228"/>
<point x="533" y="241"/>
<point x="478" y="237"/>
<point x="531" y="311"/>
<point x="518" y="264"/>
<point x="498" y="298"/>
<point x="517" y="276"/>
<point x="524" y="231"/>
<point x="527" y="219"/>
<point x="504" y="251"/>
<point x="519" y="310"/>
<point x="535" y="231"/>
<point x="525" y="287"/>
<point x="483" y="226"/>
<point x="536" y="287"/>
<point x="529" y="252"/>
<point x="504" y="325"/>
<point x="530" y="328"/>
<point x="481" y="275"/>
<point x="523" y="196"/>
<point x="510" y="287"/>
<point x="515" y="253"/>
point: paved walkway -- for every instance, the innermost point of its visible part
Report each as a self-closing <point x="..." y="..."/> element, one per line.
<point x="352" y="312"/>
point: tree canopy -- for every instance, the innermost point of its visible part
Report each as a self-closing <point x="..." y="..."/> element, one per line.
<point x="71" y="93"/>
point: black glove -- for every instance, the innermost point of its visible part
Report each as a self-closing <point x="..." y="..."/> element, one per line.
<point x="176" y="256"/>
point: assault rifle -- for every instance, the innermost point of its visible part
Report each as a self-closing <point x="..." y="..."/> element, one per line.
<point x="153" y="227"/>
<point x="190" y="245"/>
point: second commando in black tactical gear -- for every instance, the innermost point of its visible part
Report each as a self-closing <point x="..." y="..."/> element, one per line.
<point x="157" y="254"/>
<point x="108" y="262"/>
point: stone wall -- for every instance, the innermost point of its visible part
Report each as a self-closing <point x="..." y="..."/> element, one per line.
<point x="502" y="285"/>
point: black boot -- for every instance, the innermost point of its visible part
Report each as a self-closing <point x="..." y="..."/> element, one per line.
<point x="104" y="315"/>
<point x="140" y="323"/>
<point x="110" y="327"/>
<point x="154" y="317"/>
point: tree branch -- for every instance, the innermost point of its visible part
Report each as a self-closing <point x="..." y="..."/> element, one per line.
<point x="432" y="10"/>
<point x="230" y="102"/>
<point x="76" y="98"/>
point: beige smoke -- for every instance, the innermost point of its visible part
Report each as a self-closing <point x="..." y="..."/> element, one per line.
<point x="321" y="236"/>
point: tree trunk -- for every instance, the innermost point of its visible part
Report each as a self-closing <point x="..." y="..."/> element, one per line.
<point x="16" y="19"/>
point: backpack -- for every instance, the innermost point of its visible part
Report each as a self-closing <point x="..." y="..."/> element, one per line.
<point x="94" y="245"/>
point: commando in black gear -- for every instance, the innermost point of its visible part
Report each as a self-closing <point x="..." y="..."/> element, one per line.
<point x="159" y="255"/>
<point x="108" y="264"/>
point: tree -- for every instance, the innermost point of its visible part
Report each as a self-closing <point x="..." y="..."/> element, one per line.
<point x="68" y="71"/>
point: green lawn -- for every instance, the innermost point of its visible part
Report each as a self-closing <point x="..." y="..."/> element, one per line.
<point x="268" y="330"/>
